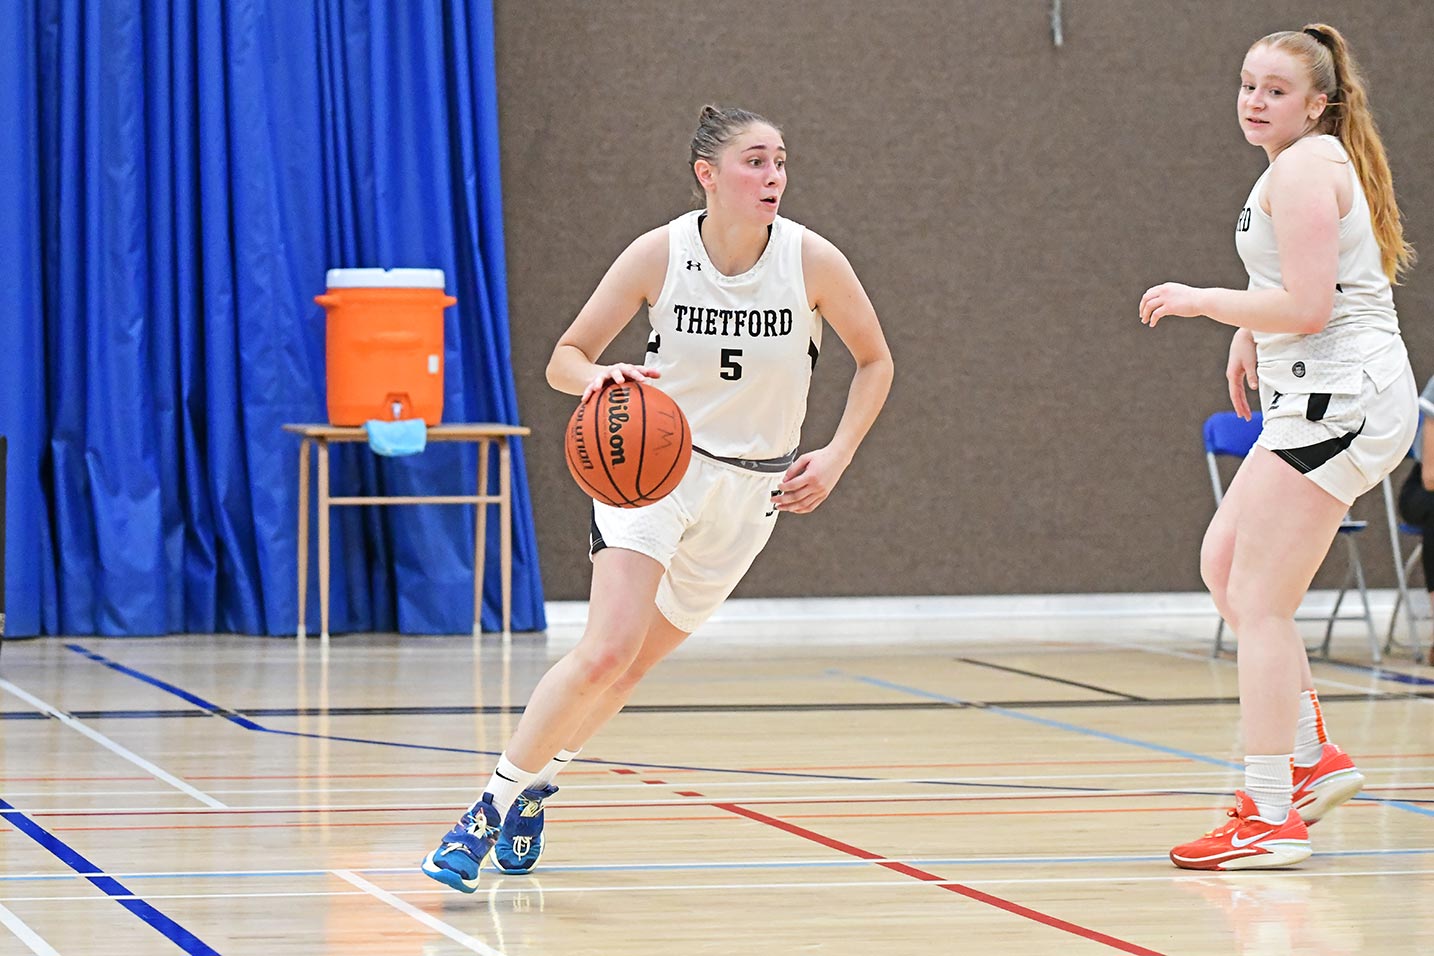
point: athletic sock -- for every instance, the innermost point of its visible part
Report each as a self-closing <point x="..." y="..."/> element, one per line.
<point x="1310" y="735"/>
<point x="1268" y="781"/>
<point x="507" y="782"/>
<point x="554" y="767"/>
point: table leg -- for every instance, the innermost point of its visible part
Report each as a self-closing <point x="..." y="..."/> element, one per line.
<point x="303" y="535"/>
<point x="480" y="537"/>
<point x="323" y="541"/>
<point x="505" y="530"/>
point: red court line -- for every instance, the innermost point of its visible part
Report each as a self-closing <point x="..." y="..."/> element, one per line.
<point x="1016" y="909"/>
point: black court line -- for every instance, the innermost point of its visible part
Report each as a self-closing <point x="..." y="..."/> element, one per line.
<point x="1048" y="677"/>
<point x="1121" y="701"/>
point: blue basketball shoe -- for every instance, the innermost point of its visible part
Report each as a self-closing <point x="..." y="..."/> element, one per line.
<point x="520" y="842"/>
<point x="460" y="854"/>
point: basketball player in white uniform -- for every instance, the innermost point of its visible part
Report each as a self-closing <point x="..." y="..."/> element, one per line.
<point x="736" y="296"/>
<point x="1321" y="239"/>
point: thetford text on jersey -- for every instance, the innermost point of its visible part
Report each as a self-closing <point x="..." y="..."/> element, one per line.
<point x="757" y="323"/>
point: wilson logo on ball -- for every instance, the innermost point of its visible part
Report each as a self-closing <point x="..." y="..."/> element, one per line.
<point x="617" y="417"/>
<point x="629" y="445"/>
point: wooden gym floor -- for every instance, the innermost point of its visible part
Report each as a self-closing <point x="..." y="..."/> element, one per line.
<point x="1000" y="787"/>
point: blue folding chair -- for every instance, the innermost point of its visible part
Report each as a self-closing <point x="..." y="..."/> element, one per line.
<point x="1230" y="436"/>
<point x="1403" y="567"/>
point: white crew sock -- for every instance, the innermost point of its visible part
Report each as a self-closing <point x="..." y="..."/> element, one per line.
<point x="1269" y="783"/>
<point x="554" y="767"/>
<point x="507" y="782"/>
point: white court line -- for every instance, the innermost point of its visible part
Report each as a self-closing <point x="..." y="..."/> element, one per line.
<point x="710" y="785"/>
<point x="895" y="882"/>
<point x="111" y="746"/>
<point x="26" y="935"/>
<point x="1232" y="774"/>
<point x="432" y="922"/>
<point x="765" y="863"/>
<point x="1051" y="793"/>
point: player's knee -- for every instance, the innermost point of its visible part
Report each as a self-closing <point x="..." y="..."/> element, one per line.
<point x="1249" y="604"/>
<point x="628" y="680"/>
<point x="602" y="663"/>
<point x="1216" y="552"/>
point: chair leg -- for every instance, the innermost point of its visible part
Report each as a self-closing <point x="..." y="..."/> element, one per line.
<point x="1393" y="619"/>
<point x="1333" y="616"/>
<point x="1357" y="566"/>
<point x="1219" y="638"/>
<point x="1414" y="643"/>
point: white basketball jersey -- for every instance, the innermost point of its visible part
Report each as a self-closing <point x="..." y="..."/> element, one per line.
<point x="736" y="352"/>
<point x="1363" y="330"/>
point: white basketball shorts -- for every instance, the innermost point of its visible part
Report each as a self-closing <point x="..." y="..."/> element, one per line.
<point x="1347" y="443"/>
<point x="706" y="534"/>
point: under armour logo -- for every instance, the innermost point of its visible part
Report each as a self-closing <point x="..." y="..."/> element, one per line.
<point x="692" y="264"/>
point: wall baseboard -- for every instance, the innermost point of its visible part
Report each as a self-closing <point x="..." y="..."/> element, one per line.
<point x="842" y="619"/>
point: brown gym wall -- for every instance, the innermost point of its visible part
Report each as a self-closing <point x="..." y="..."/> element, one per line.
<point x="1004" y="202"/>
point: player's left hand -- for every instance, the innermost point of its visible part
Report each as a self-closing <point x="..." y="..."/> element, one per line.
<point x="809" y="480"/>
<point x="1168" y="298"/>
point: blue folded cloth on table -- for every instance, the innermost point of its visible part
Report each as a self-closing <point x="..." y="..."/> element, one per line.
<point x="407" y="437"/>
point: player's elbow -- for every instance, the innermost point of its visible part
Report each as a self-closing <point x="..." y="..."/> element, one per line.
<point x="1311" y="312"/>
<point x="558" y="372"/>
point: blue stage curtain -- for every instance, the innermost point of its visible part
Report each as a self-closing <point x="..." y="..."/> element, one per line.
<point x="178" y="177"/>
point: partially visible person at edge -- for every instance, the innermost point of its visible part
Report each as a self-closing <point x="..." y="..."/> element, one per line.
<point x="661" y="570"/>
<point x="1416" y="496"/>
<point x="1321" y="239"/>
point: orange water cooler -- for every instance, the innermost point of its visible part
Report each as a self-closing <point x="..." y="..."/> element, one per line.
<point x="384" y="344"/>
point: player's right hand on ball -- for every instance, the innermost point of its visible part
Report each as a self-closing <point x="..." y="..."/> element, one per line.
<point x="619" y="373"/>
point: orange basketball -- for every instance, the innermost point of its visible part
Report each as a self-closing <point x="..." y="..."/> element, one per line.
<point x="628" y="445"/>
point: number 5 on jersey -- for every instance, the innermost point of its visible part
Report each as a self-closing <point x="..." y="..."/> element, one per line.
<point x="731" y="368"/>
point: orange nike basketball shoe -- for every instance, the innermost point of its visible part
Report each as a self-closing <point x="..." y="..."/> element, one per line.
<point x="1330" y="782"/>
<point x="1247" y="842"/>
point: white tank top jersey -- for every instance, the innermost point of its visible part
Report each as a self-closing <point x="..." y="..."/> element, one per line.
<point x="1363" y="332"/>
<point x="736" y="352"/>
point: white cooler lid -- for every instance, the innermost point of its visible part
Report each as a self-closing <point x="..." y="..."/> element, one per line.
<point x="384" y="279"/>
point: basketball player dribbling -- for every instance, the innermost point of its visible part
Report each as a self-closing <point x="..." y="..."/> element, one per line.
<point x="1321" y="239"/>
<point x="736" y="296"/>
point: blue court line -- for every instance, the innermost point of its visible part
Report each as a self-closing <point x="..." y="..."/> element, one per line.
<point x="1411" y="807"/>
<point x="175" y="933"/>
<point x="242" y="721"/>
<point x="1088" y="732"/>
<point x="1374" y="670"/>
<point x="1043" y="721"/>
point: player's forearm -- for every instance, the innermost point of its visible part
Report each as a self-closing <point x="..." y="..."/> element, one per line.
<point x="869" y="388"/>
<point x="1264" y="310"/>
